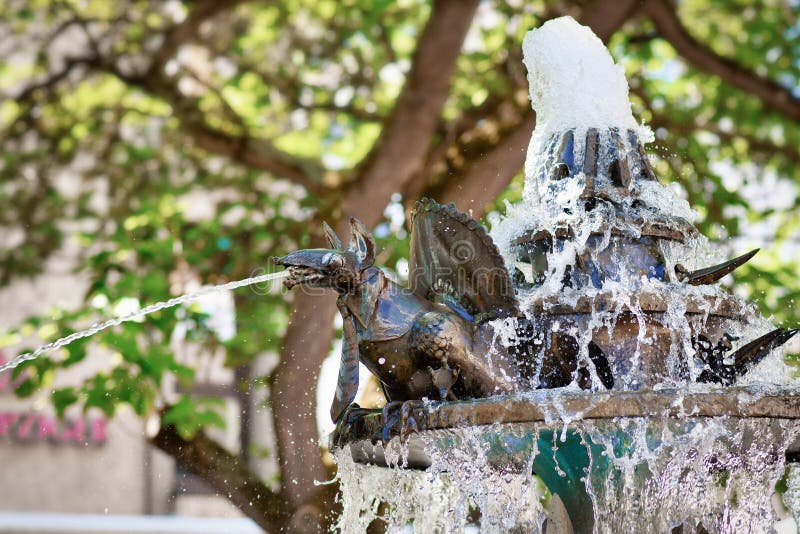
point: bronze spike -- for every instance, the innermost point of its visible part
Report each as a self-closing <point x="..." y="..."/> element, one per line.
<point x="744" y="358"/>
<point x="709" y="275"/>
<point x="754" y="351"/>
<point x="590" y="162"/>
<point x="619" y="171"/>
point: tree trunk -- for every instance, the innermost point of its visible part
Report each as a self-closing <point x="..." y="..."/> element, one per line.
<point x="398" y="154"/>
<point x="293" y="394"/>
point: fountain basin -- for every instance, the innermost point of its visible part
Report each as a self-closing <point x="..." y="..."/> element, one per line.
<point x="594" y="452"/>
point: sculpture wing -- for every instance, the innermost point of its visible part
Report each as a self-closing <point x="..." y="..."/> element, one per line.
<point x="453" y="260"/>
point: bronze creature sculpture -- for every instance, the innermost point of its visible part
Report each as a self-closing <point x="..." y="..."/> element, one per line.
<point x="432" y="338"/>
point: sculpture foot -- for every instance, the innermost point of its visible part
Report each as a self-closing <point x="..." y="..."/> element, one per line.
<point x="398" y="414"/>
<point x="443" y="379"/>
<point x="345" y="425"/>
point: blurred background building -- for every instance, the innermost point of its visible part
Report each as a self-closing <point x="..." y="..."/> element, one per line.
<point x="88" y="472"/>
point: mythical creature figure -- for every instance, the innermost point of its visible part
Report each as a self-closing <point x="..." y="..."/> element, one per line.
<point x="433" y="339"/>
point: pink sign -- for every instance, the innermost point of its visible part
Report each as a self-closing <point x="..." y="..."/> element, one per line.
<point x="36" y="427"/>
<point x="28" y="427"/>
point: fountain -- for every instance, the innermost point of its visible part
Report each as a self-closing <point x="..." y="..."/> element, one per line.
<point x="578" y="370"/>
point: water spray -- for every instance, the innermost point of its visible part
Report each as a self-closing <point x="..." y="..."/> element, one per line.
<point x="176" y="301"/>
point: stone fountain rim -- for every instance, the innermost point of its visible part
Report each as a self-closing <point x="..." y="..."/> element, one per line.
<point x="551" y="406"/>
<point x="648" y="302"/>
<point x="676" y="229"/>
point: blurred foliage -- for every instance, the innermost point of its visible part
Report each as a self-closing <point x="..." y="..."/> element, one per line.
<point x="136" y="171"/>
<point x="738" y="162"/>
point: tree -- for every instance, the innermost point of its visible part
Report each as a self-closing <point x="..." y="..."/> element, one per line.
<point x="290" y="113"/>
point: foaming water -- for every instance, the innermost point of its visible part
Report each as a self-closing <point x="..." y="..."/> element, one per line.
<point x="97" y="327"/>
<point x="612" y="250"/>
<point x="635" y="475"/>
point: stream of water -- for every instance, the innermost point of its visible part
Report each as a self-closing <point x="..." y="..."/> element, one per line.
<point x="97" y="327"/>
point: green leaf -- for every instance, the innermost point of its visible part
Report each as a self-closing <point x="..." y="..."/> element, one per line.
<point x="98" y="395"/>
<point x="191" y="414"/>
<point x="63" y="398"/>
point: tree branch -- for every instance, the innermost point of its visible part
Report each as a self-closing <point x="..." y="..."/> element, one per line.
<point x="252" y="152"/>
<point x="291" y="88"/>
<point x="485" y="178"/>
<point x="467" y="137"/>
<point x="226" y="474"/>
<point x="255" y="153"/>
<point x="604" y="21"/>
<point x="404" y="141"/>
<point x="772" y="95"/>
<point x="56" y="77"/>
<point x="186" y="31"/>
<point x="690" y="127"/>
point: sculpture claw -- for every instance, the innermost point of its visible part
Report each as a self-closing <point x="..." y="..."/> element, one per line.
<point x="408" y="425"/>
<point x="388" y="421"/>
<point x="345" y="425"/>
<point x="398" y="413"/>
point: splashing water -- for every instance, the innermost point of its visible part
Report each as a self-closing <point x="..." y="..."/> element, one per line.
<point x="575" y="87"/>
<point x="641" y="475"/>
<point x="97" y="327"/>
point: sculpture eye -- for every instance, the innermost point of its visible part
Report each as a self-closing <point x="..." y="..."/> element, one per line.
<point x="333" y="260"/>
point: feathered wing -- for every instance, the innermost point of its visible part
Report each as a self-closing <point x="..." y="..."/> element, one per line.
<point x="453" y="260"/>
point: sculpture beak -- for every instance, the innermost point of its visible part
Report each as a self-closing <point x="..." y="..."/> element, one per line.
<point x="307" y="266"/>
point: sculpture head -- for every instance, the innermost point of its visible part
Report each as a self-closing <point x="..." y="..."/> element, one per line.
<point x="335" y="268"/>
